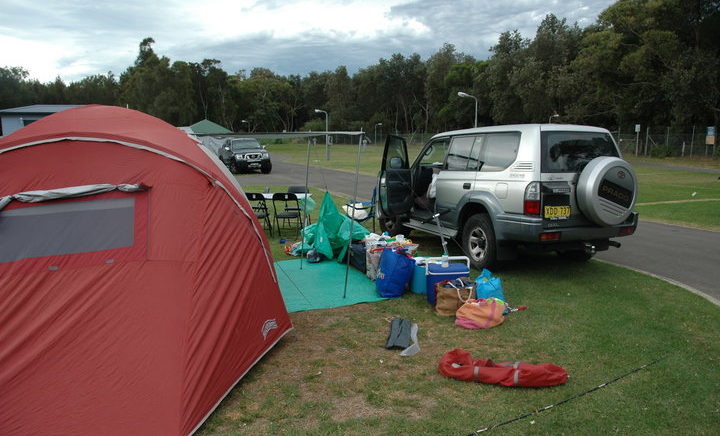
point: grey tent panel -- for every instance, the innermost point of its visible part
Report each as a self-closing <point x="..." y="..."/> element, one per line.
<point x="66" y="228"/>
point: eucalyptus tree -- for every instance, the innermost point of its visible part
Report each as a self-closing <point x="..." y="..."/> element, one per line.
<point x="437" y="92"/>
<point x="142" y="83"/>
<point x="14" y="89"/>
<point x="509" y="54"/>
<point x="95" y="89"/>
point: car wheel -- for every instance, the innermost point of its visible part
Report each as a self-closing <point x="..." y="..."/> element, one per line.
<point x="575" y="255"/>
<point x="233" y="167"/>
<point x="393" y="227"/>
<point x="265" y="169"/>
<point x="478" y="241"/>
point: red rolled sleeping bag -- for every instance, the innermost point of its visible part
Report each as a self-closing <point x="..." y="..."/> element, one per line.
<point x="460" y="365"/>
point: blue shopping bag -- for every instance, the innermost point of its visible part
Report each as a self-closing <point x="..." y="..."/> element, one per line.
<point x="489" y="286"/>
<point x="394" y="274"/>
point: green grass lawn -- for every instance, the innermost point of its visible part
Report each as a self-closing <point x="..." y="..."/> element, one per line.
<point x="699" y="214"/>
<point x="332" y="376"/>
<point x="342" y="156"/>
<point x="693" y="197"/>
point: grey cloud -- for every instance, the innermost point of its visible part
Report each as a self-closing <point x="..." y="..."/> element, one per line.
<point x="109" y="33"/>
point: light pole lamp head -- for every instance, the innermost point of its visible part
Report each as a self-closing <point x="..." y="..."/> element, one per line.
<point x="463" y="94"/>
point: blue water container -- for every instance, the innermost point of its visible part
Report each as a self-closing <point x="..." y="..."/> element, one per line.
<point x="457" y="266"/>
<point x="418" y="285"/>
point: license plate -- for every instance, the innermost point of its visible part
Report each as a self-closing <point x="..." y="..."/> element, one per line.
<point x="254" y="165"/>
<point x="557" y="212"/>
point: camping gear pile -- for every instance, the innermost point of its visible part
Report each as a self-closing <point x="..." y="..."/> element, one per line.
<point x="330" y="234"/>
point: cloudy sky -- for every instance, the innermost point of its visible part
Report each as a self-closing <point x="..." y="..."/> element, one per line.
<point x="77" y="38"/>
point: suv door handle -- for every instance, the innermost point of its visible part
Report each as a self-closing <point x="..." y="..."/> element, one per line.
<point x="466" y="185"/>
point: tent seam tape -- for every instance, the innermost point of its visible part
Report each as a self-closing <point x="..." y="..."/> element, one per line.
<point x="164" y="154"/>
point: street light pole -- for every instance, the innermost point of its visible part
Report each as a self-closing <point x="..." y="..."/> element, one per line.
<point x="376" y="126"/>
<point x="327" y="117"/>
<point x="463" y="94"/>
<point x="555" y="115"/>
<point x="248" y="124"/>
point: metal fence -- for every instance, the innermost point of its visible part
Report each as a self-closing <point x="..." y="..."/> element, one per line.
<point x="666" y="142"/>
<point x="653" y="142"/>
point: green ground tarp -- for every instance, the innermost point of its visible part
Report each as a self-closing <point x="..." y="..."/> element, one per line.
<point x="320" y="285"/>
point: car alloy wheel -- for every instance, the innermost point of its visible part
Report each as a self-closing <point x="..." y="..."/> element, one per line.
<point x="479" y="241"/>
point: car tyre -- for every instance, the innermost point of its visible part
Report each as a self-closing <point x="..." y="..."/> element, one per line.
<point x="265" y="169"/>
<point x="393" y="227"/>
<point x="478" y="241"/>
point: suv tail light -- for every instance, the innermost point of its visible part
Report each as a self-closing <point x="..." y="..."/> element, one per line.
<point x="531" y="203"/>
<point x="627" y="230"/>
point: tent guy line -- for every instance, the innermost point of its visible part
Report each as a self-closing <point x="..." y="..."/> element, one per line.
<point x="277" y="265"/>
<point x="566" y="400"/>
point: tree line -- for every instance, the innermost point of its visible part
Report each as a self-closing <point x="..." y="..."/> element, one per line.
<point x="649" y="62"/>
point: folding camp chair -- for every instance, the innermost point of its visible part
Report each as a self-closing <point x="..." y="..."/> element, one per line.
<point x="362" y="211"/>
<point x="297" y="189"/>
<point x="257" y="201"/>
<point x="287" y="209"/>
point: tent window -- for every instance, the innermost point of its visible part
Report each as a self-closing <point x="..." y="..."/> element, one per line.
<point x="66" y="228"/>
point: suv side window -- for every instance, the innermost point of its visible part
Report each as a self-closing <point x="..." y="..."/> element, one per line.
<point x="463" y="152"/>
<point x="434" y="154"/>
<point x="499" y="151"/>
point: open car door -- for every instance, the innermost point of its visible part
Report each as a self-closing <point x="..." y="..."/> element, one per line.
<point x="394" y="184"/>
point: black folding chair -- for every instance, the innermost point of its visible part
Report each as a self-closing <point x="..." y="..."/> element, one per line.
<point x="287" y="209"/>
<point x="297" y="189"/>
<point x="259" y="205"/>
<point x="360" y="208"/>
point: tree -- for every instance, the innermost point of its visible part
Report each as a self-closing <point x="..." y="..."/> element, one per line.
<point x="268" y="101"/>
<point x="141" y="84"/>
<point x="340" y="97"/>
<point x="97" y="89"/>
<point x="14" y="91"/>
<point x="509" y="55"/>
<point x="437" y="93"/>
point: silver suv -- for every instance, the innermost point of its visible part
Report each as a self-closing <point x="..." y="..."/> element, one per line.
<point x="551" y="187"/>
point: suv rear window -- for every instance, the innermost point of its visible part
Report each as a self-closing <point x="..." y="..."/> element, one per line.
<point x="569" y="152"/>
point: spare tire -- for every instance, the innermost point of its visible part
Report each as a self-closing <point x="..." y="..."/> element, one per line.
<point x="606" y="190"/>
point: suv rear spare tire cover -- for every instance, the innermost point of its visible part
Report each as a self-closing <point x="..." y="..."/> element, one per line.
<point x="606" y="190"/>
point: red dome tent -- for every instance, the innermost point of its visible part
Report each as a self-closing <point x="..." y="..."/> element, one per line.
<point x="136" y="285"/>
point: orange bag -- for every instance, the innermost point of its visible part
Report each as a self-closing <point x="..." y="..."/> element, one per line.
<point x="480" y="314"/>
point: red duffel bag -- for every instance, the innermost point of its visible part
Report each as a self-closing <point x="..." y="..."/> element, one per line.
<point x="460" y="365"/>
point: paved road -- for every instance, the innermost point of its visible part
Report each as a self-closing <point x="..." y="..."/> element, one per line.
<point x="687" y="257"/>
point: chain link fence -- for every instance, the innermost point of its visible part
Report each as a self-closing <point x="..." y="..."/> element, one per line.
<point x="652" y="142"/>
<point x="666" y="142"/>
